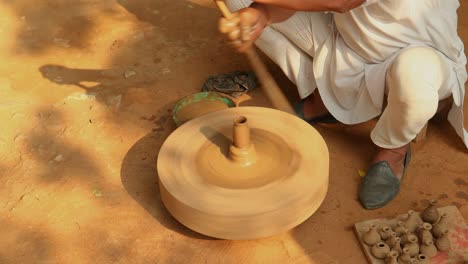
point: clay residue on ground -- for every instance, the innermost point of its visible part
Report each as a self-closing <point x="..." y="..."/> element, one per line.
<point x="86" y="90"/>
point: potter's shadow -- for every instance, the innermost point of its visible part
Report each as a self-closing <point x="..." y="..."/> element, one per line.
<point x="101" y="82"/>
<point x="140" y="179"/>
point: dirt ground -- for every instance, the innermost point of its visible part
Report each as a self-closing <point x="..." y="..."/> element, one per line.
<point x="86" y="89"/>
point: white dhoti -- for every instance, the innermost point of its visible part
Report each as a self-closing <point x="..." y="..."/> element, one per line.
<point x="408" y="50"/>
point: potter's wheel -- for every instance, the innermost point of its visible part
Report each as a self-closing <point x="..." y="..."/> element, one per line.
<point x="271" y="178"/>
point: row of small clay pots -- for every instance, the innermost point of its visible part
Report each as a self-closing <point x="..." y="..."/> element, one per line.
<point x="403" y="235"/>
<point x="428" y="247"/>
<point x="436" y="229"/>
<point x="426" y="231"/>
<point x="406" y="255"/>
<point x="426" y="238"/>
<point x="392" y="257"/>
<point x="430" y="215"/>
<point x="404" y="229"/>
<point x="413" y="221"/>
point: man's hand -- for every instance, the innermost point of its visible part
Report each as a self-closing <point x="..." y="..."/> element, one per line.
<point x="245" y="27"/>
<point x="247" y="24"/>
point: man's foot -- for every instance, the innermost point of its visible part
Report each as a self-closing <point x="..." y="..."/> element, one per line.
<point x="394" y="157"/>
<point x="381" y="184"/>
<point x="313" y="110"/>
<point x="314" y="106"/>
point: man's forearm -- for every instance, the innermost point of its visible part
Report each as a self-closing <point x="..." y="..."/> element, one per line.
<point x="314" y="5"/>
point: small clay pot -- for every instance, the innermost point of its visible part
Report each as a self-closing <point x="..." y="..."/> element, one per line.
<point x="412" y="221"/>
<point x="440" y="226"/>
<point x="391" y="239"/>
<point x="405" y="257"/>
<point x="431" y="214"/>
<point x="396" y="246"/>
<point x="425" y="232"/>
<point x="422" y="259"/>
<point x="392" y="258"/>
<point x="443" y="242"/>
<point x="371" y="237"/>
<point x="400" y="228"/>
<point x="404" y="236"/>
<point x="428" y="248"/>
<point x="410" y="238"/>
<point x="380" y="250"/>
<point x="385" y="232"/>
<point x="437" y="230"/>
<point x="412" y="245"/>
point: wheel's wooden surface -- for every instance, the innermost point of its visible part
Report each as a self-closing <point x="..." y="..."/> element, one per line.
<point x="204" y="189"/>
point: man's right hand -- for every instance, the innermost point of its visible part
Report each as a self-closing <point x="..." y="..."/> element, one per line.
<point x="245" y="26"/>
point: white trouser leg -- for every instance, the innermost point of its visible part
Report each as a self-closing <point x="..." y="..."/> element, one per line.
<point x="415" y="83"/>
<point x="290" y="45"/>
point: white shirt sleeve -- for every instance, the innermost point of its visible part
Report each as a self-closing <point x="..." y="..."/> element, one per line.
<point x="365" y="3"/>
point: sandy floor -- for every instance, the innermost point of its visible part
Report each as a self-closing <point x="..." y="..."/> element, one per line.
<point x="85" y="93"/>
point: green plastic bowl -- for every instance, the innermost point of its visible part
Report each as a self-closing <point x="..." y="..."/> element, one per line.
<point x="195" y="98"/>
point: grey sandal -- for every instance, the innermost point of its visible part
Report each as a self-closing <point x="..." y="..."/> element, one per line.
<point x="380" y="185"/>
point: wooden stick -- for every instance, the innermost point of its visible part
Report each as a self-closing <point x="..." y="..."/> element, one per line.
<point x="223" y="8"/>
<point x="269" y="85"/>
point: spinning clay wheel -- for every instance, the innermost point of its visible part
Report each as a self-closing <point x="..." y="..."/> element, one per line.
<point x="243" y="173"/>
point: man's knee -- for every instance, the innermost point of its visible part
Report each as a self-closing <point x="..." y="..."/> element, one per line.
<point x="414" y="79"/>
<point x="418" y="68"/>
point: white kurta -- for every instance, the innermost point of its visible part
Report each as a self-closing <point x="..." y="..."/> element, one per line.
<point x="350" y="67"/>
<point x="352" y="52"/>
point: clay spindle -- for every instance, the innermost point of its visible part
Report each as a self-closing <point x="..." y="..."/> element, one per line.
<point x="241" y="150"/>
<point x="241" y="134"/>
<point x="431" y="214"/>
<point x="371" y="237"/>
<point x="443" y="242"/>
<point x="380" y="250"/>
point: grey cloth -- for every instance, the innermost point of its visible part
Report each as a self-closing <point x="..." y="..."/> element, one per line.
<point x="234" y="84"/>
